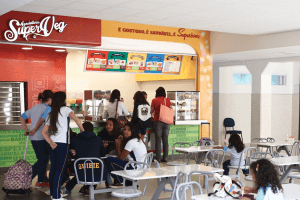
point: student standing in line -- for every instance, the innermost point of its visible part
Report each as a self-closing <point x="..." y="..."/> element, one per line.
<point x="58" y="126"/>
<point x="161" y="129"/>
<point x="111" y="107"/>
<point x="38" y="115"/>
<point x="141" y="114"/>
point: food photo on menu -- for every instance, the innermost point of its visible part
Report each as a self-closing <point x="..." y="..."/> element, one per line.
<point x="122" y="62"/>
<point x="103" y="61"/>
<point x="117" y="61"/>
<point x="130" y="62"/>
<point x="97" y="60"/>
<point x="136" y="63"/>
<point x="111" y="61"/>
<point x="91" y="60"/>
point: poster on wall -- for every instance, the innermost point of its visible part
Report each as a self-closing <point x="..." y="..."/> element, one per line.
<point x="154" y="63"/>
<point x="96" y="60"/>
<point x="117" y="61"/>
<point x="136" y="62"/>
<point x="172" y="64"/>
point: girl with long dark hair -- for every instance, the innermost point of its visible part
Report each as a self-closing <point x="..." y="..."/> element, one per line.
<point x="114" y="104"/>
<point x="141" y="114"/>
<point x="38" y="115"/>
<point x="266" y="180"/>
<point x="129" y="145"/>
<point x="108" y="135"/>
<point x="59" y="139"/>
<point x="235" y="148"/>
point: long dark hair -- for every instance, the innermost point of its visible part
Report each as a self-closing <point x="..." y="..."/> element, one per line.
<point x="160" y="92"/>
<point x="235" y="140"/>
<point x="45" y="95"/>
<point x="134" y="134"/>
<point x="116" y="130"/>
<point x="266" y="175"/>
<point x="114" y="95"/>
<point x="58" y="101"/>
<point x="139" y="97"/>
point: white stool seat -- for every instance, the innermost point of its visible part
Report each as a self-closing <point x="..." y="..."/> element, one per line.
<point x="236" y="167"/>
<point x="126" y="193"/>
<point x="249" y="178"/>
<point x="176" y="163"/>
<point x="294" y="175"/>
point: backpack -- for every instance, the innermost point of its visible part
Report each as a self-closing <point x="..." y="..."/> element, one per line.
<point x="18" y="177"/>
<point x="225" y="186"/>
<point x="144" y="115"/>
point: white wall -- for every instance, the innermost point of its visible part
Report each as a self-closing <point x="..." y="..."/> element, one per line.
<point x="78" y="81"/>
<point x="226" y="85"/>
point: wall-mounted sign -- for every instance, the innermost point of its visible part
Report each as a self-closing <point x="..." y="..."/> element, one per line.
<point x="113" y="61"/>
<point x="41" y="28"/>
<point x="25" y="27"/>
<point x="96" y="60"/>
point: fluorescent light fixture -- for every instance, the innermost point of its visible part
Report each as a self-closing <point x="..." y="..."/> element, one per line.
<point x="60" y="50"/>
<point x="284" y="53"/>
<point x="27" y="48"/>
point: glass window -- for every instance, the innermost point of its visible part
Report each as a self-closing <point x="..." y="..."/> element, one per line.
<point x="242" y="79"/>
<point x="278" y="79"/>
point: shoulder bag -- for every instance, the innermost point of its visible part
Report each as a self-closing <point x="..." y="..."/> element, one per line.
<point x="166" y="114"/>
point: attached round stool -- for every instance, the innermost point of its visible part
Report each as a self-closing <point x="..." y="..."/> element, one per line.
<point x="126" y="193"/>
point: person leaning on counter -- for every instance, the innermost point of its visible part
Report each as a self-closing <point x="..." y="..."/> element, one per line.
<point x="111" y="107"/>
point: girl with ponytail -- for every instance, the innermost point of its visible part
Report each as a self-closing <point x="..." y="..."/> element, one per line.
<point x="58" y="138"/>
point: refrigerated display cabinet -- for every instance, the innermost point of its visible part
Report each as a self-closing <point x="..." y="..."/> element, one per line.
<point x="186" y="106"/>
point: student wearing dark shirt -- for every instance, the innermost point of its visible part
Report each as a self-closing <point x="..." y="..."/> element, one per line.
<point x="108" y="134"/>
<point x="88" y="145"/>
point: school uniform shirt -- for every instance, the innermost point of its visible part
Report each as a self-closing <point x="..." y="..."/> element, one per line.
<point x="269" y="195"/>
<point x="138" y="148"/>
<point x="142" y="114"/>
<point x="110" y="109"/>
<point x="235" y="156"/>
<point x="156" y="105"/>
<point x="38" y="111"/>
<point x="63" y="131"/>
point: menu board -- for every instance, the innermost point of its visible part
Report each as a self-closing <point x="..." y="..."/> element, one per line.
<point x="113" y="61"/>
<point x="117" y="61"/>
<point x="136" y="62"/>
<point x="154" y="63"/>
<point x="172" y="64"/>
<point x="96" y="60"/>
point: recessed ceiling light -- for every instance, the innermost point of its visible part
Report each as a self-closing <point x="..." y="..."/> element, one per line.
<point x="283" y="53"/>
<point x="27" y="48"/>
<point x="60" y="50"/>
<point x="290" y="52"/>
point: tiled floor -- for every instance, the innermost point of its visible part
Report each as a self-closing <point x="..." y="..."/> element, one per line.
<point x="38" y="194"/>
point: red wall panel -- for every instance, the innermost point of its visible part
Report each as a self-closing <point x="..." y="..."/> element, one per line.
<point x="41" y="68"/>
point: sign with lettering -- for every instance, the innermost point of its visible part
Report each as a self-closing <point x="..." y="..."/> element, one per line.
<point x="35" y="28"/>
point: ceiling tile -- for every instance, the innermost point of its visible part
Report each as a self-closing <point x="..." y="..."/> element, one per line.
<point x="155" y="15"/>
<point x="169" y="2"/>
<point x="50" y="3"/>
<point x="176" y="9"/>
<point x="138" y="20"/>
<point x="110" y="17"/>
<point x="105" y="2"/>
<point x="124" y="11"/>
<point x="34" y="9"/>
<point x="85" y="6"/>
<point x="141" y="5"/>
<point x="67" y="12"/>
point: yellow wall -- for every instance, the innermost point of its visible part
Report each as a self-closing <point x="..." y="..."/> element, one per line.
<point x="200" y="44"/>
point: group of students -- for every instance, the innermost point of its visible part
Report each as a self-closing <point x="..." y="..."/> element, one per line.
<point x="50" y="137"/>
<point x="263" y="172"/>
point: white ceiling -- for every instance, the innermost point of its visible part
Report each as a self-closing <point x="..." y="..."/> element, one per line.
<point x="251" y="17"/>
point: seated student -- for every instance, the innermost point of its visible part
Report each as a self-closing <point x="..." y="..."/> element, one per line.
<point x="266" y="180"/>
<point x="88" y="145"/>
<point x="108" y="135"/>
<point x="129" y="142"/>
<point x="235" y="148"/>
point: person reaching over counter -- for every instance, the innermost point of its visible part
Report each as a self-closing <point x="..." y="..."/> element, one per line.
<point x="266" y="180"/>
<point x="57" y="124"/>
<point x="115" y="106"/>
<point x="38" y="115"/>
<point x="129" y="142"/>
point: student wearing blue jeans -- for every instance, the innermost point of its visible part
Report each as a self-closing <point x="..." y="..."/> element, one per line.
<point x="38" y="115"/>
<point x="58" y="124"/>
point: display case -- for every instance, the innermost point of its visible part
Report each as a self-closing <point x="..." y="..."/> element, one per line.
<point x="186" y="106"/>
<point x="94" y="104"/>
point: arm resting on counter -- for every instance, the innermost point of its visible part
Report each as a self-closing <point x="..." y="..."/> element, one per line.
<point x="76" y="120"/>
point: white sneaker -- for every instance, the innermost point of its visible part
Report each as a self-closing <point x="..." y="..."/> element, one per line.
<point x="61" y="197"/>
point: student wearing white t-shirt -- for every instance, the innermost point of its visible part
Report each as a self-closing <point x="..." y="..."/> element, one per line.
<point x="58" y="125"/>
<point x="111" y="108"/>
<point x="128" y="146"/>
